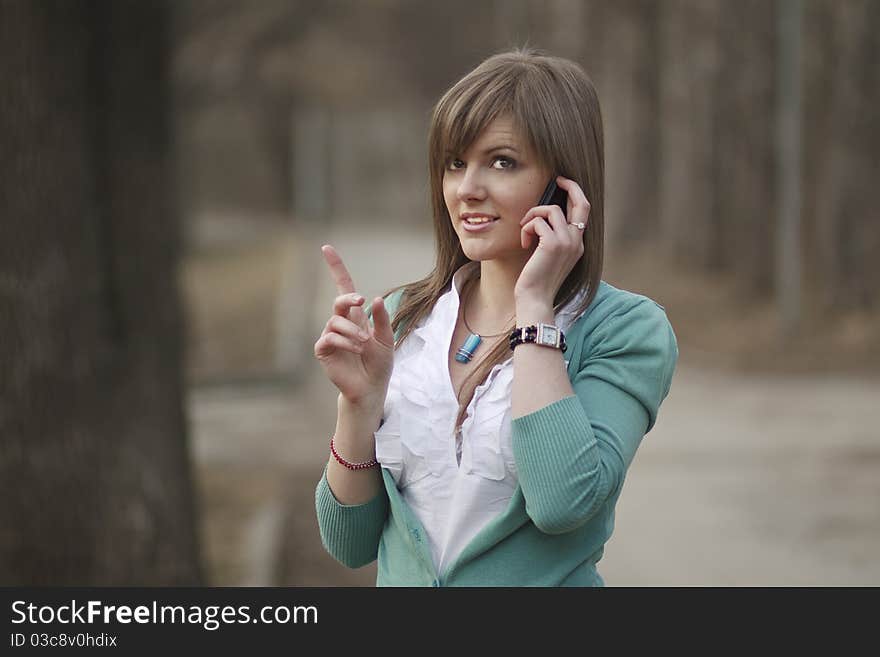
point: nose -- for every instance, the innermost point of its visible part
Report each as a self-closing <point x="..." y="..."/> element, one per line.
<point x="470" y="187"/>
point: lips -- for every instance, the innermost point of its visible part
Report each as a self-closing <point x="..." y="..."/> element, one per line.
<point x="478" y="227"/>
<point x="474" y="219"/>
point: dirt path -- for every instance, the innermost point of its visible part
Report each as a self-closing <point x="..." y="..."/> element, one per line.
<point x="744" y="481"/>
<point x="754" y="481"/>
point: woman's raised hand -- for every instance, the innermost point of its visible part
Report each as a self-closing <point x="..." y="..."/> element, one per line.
<point x="560" y="244"/>
<point x="356" y="357"/>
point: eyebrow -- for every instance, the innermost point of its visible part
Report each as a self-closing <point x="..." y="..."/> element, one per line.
<point x="500" y="148"/>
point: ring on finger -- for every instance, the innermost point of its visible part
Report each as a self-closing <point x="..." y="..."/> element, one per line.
<point x="580" y="225"/>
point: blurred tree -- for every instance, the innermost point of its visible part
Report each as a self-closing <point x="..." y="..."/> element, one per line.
<point x="789" y="113"/>
<point x="628" y="86"/>
<point x="95" y="475"/>
<point x="689" y="89"/>
<point x="718" y="183"/>
<point x="689" y="47"/>
<point x="744" y="145"/>
<point x="842" y="152"/>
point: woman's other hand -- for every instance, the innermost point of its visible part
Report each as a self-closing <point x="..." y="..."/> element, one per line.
<point x="560" y="244"/>
<point x="357" y="358"/>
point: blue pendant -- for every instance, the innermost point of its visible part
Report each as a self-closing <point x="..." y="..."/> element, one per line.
<point x="466" y="351"/>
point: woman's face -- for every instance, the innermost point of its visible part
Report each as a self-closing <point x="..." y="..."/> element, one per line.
<point x="496" y="179"/>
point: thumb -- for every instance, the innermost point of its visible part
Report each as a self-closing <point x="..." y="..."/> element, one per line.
<point x="382" y="323"/>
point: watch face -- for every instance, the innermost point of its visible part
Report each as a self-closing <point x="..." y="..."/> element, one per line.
<point x="548" y="335"/>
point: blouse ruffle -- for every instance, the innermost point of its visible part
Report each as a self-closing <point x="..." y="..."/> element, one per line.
<point x="417" y="437"/>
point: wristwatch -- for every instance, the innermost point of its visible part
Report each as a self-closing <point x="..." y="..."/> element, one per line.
<point x="545" y="335"/>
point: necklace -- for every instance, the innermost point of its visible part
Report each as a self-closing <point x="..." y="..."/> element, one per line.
<point x="466" y="351"/>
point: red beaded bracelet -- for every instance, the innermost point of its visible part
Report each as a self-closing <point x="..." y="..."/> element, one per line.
<point x="347" y="464"/>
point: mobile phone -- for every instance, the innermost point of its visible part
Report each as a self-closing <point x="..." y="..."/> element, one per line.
<point x="554" y="195"/>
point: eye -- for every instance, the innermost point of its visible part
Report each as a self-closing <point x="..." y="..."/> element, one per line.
<point x="502" y="162"/>
<point x="454" y="164"/>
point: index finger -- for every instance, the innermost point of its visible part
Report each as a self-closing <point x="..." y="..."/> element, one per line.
<point x="575" y="194"/>
<point x="341" y="277"/>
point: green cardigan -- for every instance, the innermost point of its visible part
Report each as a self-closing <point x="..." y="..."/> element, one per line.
<point x="571" y="456"/>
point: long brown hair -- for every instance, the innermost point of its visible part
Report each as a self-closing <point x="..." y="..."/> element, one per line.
<point x="554" y="106"/>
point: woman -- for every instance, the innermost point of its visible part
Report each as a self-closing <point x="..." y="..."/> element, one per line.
<point x="471" y="450"/>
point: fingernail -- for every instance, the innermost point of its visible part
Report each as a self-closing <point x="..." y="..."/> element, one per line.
<point x="363" y="335"/>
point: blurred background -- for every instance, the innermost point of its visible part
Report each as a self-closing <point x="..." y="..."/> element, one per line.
<point x="172" y="169"/>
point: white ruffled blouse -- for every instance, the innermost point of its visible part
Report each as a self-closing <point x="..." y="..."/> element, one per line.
<point x="455" y="484"/>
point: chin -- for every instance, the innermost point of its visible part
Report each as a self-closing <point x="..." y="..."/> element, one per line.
<point x="478" y="252"/>
<point x="485" y="252"/>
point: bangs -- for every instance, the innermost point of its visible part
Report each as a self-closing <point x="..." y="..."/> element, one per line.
<point x="469" y="108"/>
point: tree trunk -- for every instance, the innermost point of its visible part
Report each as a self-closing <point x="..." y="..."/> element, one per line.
<point x="688" y="112"/>
<point x="95" y="475"/>
<point x="745" y="131"/>
<point x="630" y="103"/>
<point x="842" y="146"/>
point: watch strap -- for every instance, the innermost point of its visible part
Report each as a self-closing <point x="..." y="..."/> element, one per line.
<point x="545" y="335"/>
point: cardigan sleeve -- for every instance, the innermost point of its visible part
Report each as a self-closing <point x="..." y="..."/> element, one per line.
<point x="350" y="533"/>
<point x="573" y="454"/>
